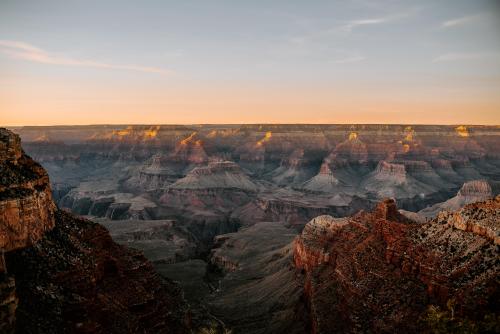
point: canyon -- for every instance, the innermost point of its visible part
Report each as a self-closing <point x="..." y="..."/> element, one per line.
<point x="253" y="228"/>
<point x="60" y="273"/>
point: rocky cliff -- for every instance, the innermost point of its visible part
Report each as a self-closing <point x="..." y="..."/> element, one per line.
<point x="378" y="271"/>
<point x="26" y="207"/>
<point x="61" y="274"/>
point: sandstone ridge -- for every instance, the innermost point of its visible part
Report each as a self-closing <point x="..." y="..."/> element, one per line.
<point x="65" y="274"/>
<point x="378" y="271"/>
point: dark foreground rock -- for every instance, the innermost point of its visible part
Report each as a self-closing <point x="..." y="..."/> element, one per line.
<point x="379" y="272"/>
<point x="62" y="274"/>
<point x="76" y="279"/>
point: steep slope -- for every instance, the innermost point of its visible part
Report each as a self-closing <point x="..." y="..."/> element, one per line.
<point x="472" y="191"/>
<point x="190" y="150"/>
<point x="76" y="279"/>
<point x="378" y="271"/>
<point x="26" y="207"/>
<point x="64" y="274"/>
<point x="26" y="213"/>
<point x="223" y="174"/>
<point x="324" y="181"/>
<point x="259" y="291"/>
<point x="294" y="169"/>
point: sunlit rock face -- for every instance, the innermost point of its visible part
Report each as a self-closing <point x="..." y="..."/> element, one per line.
<point x="190" y="150"/>
<point x="462" y="131"/>
<point x="352" y="149"/>
<point x="378" y="271"/>
<point x="26" y="214"/>
<point x="26" y="207"/>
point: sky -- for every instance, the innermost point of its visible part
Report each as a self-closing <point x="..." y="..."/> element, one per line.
<point x="274" y="61"/>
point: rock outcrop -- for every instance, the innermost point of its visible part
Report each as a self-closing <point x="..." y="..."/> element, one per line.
<point x="77" y="280"/>
<point x="472" y="191"/>
<point x="390" y="171"/>
<point x="154" y="175"/>
<point x="475" y="189"/>
<point x="26" y="207"/>
<point x="378" y="271"/>
<point x="352" y="149"/>
<point x="64" y="274"/>
<point x="190" y="150"/>
<point x="223" y="174"/>
<point x="324" y="181"/>
<point x="393" y="180"/>
<point x="481" y="218"/>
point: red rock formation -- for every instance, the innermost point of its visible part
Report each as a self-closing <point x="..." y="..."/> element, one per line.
<point x="66" y="274"/>
<point x="396" y="172"/>
<point x="480" y="218"/>
<point x="26" y="207"/>
<point x="475" y="188"/>
<point x="353" y="149"/>
<point x="190" y="150"/>
<point x="76" y="279"/>
<point x="378" y="271"/>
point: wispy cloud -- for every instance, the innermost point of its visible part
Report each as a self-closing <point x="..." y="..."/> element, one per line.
<point x="25" y="51"/>
<point x="353" y="59"/>
<point x="353" y="24"/>
<point x="349" y="26"/>
<point x="461" y="21"/>
<point x="466" y="56"/>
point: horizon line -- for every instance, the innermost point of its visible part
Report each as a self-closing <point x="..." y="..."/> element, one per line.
<point x="242" y="124"/>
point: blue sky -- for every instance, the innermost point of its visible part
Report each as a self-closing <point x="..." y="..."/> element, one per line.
<point x="249" y="61"/>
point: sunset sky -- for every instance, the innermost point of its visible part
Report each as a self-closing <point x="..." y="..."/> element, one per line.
<point x="164" y="62"/>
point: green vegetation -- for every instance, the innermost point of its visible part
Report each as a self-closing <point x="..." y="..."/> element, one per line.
<point x="445" y="321"/>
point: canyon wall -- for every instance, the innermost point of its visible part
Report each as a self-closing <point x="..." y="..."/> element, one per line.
<point x="60" y="273"/>
<point x="378" y="271"/>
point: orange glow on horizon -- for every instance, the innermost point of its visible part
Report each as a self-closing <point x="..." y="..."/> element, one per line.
<point x="34" y="103"/>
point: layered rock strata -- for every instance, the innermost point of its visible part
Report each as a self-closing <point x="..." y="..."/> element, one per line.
<point x="472" y="191"/>
<point x="61" y="274"/>
<point x="378" y="271"/>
